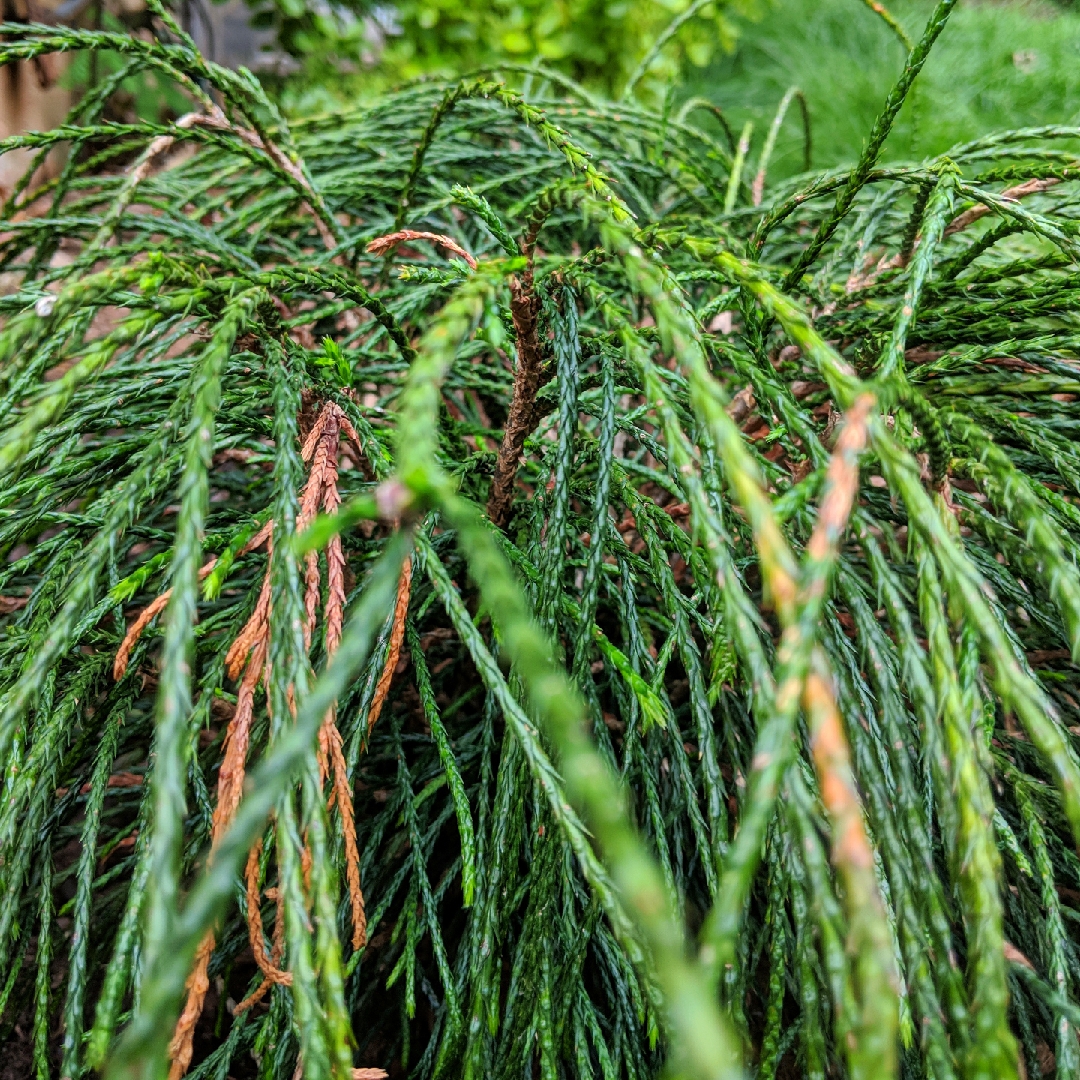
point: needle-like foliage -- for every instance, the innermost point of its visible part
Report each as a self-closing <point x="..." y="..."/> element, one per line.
<point x="494" y="588"/>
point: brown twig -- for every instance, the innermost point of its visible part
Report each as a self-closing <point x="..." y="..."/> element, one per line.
<point x="267" y="963"/>
<point x="357" y="1074"/>
<point x="135" y="630"/>
<point x="1013" y="194"/>
<point x="158" y="146"/>
<point x="216" y="119"/>
<point x="260" y="538"/>
<point x="248" y="653"/>
<point x="521" y="420"/>
<point x="330" y="737"/>
<point x="322" y="444"/>
<point x="317" y="448"/>
<point x="318" y="428"/>
<point x="335" y="577"/>
<point x="332" y="615"/>
<point x="235" y="746"/>
<point x="146" y="616"/>
<point x="899" y="261"/>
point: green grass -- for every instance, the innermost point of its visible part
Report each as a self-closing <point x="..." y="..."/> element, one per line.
<point x="997" y="66"/>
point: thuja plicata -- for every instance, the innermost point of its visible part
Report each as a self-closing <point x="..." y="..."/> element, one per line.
<point x="497" y="584"/>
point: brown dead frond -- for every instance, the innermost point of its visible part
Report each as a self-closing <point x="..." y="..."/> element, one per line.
<point x="341" y="794"/>
<point x="181" y="1045"/>
<point x="382" y="244"/>
<point x="144" y="619"/>
<point x="253" y="631"/>
<point x="157" y="605"/>
<point x="397" y="634"/>
<point x="235" y="747"/>
<point x="230" y="789"/>
<point x="267" y="963"/>
<point x="247" y="659"/>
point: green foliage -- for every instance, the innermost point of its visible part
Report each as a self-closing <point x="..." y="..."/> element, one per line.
<point x="746" y="738"/>
<point x="348" y="51"/>
<point x="320" y="36"/>
<point x="596" y="42"/>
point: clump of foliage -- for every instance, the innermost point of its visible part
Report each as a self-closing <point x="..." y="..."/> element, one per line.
<point x="349" y="49"/>
<point x="495" y="587"/>
<point x="597" y="43"/>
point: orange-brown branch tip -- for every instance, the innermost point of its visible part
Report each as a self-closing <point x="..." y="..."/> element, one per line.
<point x="381" y="245"/>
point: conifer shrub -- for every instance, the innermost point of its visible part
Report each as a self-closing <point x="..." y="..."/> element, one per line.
<point x="494" y="587"/>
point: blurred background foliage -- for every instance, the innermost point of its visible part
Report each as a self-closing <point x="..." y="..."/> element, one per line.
<point x="596" y="42"/>
<point x="354" y="48"/>
<point x="1003" y="64"/>
<point x="1000" y="66"/>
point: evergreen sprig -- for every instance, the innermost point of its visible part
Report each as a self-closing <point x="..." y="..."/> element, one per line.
<point x="745" y="741"/>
